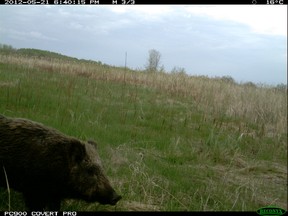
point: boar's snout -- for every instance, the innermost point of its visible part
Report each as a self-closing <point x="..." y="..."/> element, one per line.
<point x="115" y="198"/>
<point x="112" y="199"/>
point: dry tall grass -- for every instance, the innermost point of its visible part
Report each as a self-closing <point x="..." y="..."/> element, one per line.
<point x="258" y="105"/>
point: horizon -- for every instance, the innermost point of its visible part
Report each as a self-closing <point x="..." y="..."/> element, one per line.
<point x="226" y="78"/>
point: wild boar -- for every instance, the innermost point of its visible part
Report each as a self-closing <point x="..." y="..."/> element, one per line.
<point x="48" y="166"/>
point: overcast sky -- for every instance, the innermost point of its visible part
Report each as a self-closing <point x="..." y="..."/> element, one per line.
<point x="248" y="43"/>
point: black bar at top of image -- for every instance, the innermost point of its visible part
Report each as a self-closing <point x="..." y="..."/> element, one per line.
<point x="143" y="2"/>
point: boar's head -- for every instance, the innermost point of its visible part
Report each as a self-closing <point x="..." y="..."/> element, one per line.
<point x="87" y="180"/>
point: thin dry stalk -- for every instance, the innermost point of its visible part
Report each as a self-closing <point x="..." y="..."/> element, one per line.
<point x="8" y="189"/>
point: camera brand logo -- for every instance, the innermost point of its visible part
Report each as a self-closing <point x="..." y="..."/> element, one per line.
<point x="271" y="210"/>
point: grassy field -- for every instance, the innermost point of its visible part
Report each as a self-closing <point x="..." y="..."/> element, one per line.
<point x="168" y="142"/>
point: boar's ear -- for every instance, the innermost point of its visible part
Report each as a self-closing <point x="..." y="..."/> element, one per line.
<point x="77" y="151"/>
<point x="92" y="142"/>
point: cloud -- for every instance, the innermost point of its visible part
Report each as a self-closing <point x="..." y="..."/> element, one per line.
<point x="38" y="35"/>
<point x="261" y="19"/>
<point x="143" y="12"/>
<point x="26" y="35"/>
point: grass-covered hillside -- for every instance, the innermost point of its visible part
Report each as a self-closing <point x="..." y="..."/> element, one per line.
<point x="168" y="142"/>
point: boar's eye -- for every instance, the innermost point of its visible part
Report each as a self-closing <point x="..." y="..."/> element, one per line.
<point x="92" y="170"/>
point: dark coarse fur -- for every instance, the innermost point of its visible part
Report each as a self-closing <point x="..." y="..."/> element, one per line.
<point x="48" y="166"/>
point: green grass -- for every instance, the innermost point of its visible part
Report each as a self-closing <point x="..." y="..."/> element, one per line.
<point x="168" y="142"/>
